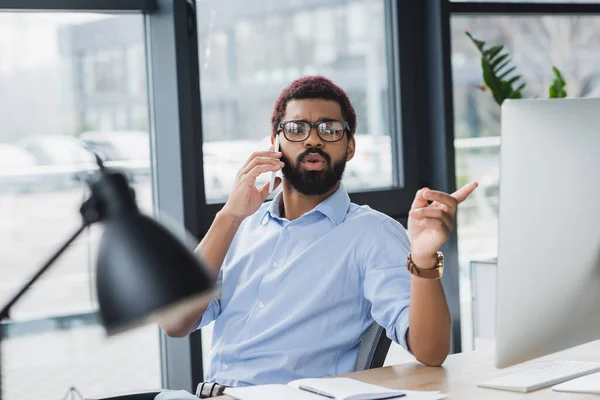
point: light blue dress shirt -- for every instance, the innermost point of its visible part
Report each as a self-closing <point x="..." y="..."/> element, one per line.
<point x="297" y="296"/>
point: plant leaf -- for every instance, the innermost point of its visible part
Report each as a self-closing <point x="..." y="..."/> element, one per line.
<point x="514" y="79"/>
<point x="519" y="89"/>
<point x="500" y="68"/>
<point x="557" y="88"/>
<point x="498" y="61"/>
<point x="493" y="52"/>
<point x="478" y="43"/>
<point x="498" y="80"/>
<point x="505" y="73"/>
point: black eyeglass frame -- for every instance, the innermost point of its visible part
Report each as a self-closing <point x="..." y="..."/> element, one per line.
<point x="345" y="126"/>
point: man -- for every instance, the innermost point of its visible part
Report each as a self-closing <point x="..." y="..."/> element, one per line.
<point x="304" y="276"/>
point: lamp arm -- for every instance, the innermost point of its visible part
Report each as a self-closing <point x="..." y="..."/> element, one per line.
<point x="6" y="309"/>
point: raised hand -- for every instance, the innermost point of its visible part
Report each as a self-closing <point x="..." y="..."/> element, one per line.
<point x="245" y="198"/>
<point x="430" y="225"/>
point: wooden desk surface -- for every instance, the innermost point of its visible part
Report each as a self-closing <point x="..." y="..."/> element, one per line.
<point x="460" y="374"/>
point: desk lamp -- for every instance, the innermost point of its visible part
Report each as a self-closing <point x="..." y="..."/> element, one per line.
<point x="143" y="270"/>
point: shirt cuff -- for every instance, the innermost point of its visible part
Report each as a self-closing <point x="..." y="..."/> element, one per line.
<point x="211" y="312"/>
<point x="402" y="330"/>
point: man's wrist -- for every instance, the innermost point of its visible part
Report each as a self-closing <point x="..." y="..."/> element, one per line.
<point x="225" y="217"/>
<point x="425" y="261"/>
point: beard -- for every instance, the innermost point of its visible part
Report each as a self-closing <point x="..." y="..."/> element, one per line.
<point x="311" y="183"/>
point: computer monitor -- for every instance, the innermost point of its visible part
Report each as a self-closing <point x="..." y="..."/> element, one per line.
<point x="548" y="282"/>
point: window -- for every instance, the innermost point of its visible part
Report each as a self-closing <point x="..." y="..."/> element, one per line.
<point x="249" y="52"/>
<point x="136" y="80"/>
<point x="58" y="86"/>
<point x="536" y="43"/>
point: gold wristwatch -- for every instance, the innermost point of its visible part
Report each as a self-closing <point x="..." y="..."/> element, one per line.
<point x="433" y="273"/>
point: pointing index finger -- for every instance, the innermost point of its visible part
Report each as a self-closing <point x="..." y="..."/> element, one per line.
<point x="461" y="194"/>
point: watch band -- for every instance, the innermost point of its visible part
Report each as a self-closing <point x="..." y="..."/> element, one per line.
<point x="206" y="390"/>
<point x="433" y="273"/>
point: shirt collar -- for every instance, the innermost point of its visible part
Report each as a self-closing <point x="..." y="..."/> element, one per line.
<point x="272" y="210"/>
<point x="334" y="207"/>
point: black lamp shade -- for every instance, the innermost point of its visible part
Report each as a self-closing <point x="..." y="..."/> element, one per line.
<point x="145" y="272"/>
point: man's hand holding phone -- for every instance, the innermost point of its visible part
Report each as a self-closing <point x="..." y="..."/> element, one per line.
<point x="245" y="198"/>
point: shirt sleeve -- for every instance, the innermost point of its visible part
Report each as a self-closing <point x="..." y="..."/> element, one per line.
<point x="214" y="308"/>
<point x="387" y="281"/>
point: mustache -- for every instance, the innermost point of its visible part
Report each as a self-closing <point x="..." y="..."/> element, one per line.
<point x="314" y="150"/>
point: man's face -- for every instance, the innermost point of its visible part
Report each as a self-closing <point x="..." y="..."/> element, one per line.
<point x="314" y="166"/>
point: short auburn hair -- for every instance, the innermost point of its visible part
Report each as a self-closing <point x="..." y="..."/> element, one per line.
<point x="313" y="87"/>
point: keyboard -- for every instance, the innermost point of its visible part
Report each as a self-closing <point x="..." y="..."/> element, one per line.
<point x="541" y="376"/>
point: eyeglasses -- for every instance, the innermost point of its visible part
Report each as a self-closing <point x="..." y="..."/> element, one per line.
<point x="328" y="131"/>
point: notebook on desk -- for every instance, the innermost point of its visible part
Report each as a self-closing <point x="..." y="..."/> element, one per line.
<point x="329" y="388"/>
<point x="585" y="384"/>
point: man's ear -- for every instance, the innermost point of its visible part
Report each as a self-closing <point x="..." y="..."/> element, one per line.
<point x="272" y="139"/>
<point x="351" y="149"/>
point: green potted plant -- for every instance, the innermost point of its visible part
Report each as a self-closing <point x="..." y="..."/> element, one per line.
<point x="501" y="79"/>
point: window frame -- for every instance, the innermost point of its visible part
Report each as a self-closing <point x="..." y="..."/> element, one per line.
<point x="145" y="6"/>
<point x="424" y="29"/>
<point x="179" y="176"/>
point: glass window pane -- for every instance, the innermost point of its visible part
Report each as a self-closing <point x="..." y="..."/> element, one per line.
<point x="535" y="45"/>
<point x="250" y="51"/>
<point x="67" y="80"/>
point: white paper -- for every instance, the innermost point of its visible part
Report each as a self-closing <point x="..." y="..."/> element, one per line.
<point x="271" y="392"/>
<point x="278" y="392"/>
<point x="585" y="384"/>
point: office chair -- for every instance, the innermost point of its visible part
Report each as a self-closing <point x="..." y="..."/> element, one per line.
<point x="372" y="351"/>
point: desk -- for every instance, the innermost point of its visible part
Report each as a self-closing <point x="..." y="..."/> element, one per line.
<point x="460" y="374"/>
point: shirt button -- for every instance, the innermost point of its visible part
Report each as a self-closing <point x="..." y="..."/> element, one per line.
<point x="224" y="367"/>
<point x="275" y="264"/>
<point x="290" y="228"/>
<point x="261" y="305"/>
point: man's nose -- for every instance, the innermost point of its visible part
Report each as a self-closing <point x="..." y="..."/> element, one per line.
<point x="313" y="140"/>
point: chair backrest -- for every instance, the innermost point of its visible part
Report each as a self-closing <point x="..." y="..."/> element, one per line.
<point x="373" y="349"/>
